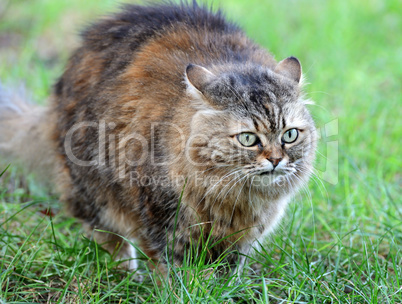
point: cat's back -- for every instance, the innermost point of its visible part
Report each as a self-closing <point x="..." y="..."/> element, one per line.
<point x="136" y="24"/>
<point x="151" y="35"/>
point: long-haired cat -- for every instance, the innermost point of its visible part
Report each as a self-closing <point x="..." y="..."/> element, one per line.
<point x="171" y="128"/>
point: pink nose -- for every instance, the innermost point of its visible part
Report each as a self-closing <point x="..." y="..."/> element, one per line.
<point x="275" y="161"/>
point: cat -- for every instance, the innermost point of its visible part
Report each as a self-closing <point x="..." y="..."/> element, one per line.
<point x="173" y="129"/>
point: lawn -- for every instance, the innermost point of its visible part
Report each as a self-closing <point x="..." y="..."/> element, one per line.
<point x="341" y="239"/>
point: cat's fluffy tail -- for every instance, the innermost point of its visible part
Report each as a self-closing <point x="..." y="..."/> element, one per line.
<point x="24" y="134"/>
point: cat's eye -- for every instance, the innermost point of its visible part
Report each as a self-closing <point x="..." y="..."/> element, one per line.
<point x="248" y="139"/>
<point x="290" y="136"/>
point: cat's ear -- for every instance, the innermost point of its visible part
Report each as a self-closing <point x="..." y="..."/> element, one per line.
<point x="197" y="78"/>
<point x="290" y="68"/>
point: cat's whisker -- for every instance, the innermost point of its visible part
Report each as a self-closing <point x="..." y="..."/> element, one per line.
<point x="310" y="199"/>
<point x="249" y="190"/>
<point x="234" y="180"/>
<point x="215" y="167"/>
<point x="317" y="180"/>
<point x="234" y="171"/>
<point x="228" y="191"/>
<point x="234" y="205"/>
<point x="222" y="190"/>
<point x="322" y="155"/>
<point x="303" y="186"/>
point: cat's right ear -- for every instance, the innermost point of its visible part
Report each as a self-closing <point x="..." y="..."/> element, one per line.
<point x="290" y="68"/>
<point x="197" y="78"/>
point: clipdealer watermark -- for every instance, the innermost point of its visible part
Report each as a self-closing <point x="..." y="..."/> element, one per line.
<point x="116" y="151"/>
<point x="199" y="179"/>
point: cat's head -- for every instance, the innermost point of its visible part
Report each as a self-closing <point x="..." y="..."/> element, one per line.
<point x="252" y="123"/>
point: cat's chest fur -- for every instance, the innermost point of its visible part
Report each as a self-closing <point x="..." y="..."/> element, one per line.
<point x="239" y="211"/>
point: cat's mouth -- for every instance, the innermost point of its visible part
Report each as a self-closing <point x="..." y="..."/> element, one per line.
<point x="267" y="172"/>
<point x="272" y="173"/>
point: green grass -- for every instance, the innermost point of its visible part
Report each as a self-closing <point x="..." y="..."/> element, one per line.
<point x="342" y="244"/>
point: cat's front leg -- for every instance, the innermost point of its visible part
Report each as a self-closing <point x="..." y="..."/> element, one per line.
<point x="120" y="249"/>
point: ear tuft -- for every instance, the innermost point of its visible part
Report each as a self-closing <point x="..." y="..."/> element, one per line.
<point x="290" y="68"/>
<point x="199" y="76"/>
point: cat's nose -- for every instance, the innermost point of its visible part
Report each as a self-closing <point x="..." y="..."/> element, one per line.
<point x="275" y="161"/>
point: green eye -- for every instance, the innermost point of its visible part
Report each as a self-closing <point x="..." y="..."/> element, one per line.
<point x="248" y="139"/>
<point x="290" y="136"/>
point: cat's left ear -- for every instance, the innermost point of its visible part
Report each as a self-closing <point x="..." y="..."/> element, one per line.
<point x="290" y="68"/>
<point x="197" y="78"/>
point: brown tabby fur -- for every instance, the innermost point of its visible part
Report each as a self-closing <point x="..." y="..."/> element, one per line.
<point x="129" y="79"/>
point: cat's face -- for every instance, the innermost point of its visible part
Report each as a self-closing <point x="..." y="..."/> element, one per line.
<point x="256" y="128"/>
